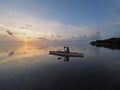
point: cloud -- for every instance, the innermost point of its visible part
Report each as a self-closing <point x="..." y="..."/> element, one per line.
<point x="52" y="35"/>
<point x="28" y="37"/>
<point x="115" y="16"/>
<point x="117" y="2"/>
<point x="87" y="38"/>
<point x="23" y="24"/>
<point x="115" y="19"/>
<point x="31" y="27"/>
<point x="117" y="34"/>
<point x="9" y="33"/>
<point x="95" y="36"/>
<point x="40" y="38"/>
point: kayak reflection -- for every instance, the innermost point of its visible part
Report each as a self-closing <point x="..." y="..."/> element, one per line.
<point x="66" y="58"/>
<point x="70" y="54"/>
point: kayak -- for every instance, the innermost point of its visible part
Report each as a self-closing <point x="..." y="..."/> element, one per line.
<point x="70" y="54"/>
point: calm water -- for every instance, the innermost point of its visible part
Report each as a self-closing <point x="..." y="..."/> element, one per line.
<point x="30" y="67"/>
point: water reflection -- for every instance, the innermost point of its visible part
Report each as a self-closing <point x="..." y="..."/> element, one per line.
<point x="66" y="58"/>
<point x="27" y="53"/>
<point x="31" y="67"/>
<point x="112" y="47"/>
<point x="20" y="53"/>
<point x="11" y="53"/>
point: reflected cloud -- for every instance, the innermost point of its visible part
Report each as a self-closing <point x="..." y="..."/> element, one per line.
<point x="21" y="53"/>
<point x="11" y="53"/>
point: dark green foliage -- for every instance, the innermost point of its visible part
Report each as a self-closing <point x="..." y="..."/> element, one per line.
<point x="112" y="43"/>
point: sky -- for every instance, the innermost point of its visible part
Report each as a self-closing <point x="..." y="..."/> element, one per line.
<point x="32" y="20"/>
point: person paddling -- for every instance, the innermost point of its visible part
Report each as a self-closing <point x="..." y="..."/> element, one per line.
<point x="66" y="49"/>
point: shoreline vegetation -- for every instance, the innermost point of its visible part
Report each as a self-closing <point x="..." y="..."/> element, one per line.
<point x="111" y="43"/>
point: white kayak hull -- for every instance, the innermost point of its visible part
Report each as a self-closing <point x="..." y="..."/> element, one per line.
<point x="61" y="53"/>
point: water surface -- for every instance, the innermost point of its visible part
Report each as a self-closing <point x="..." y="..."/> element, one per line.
<point x="28" y="67"/>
